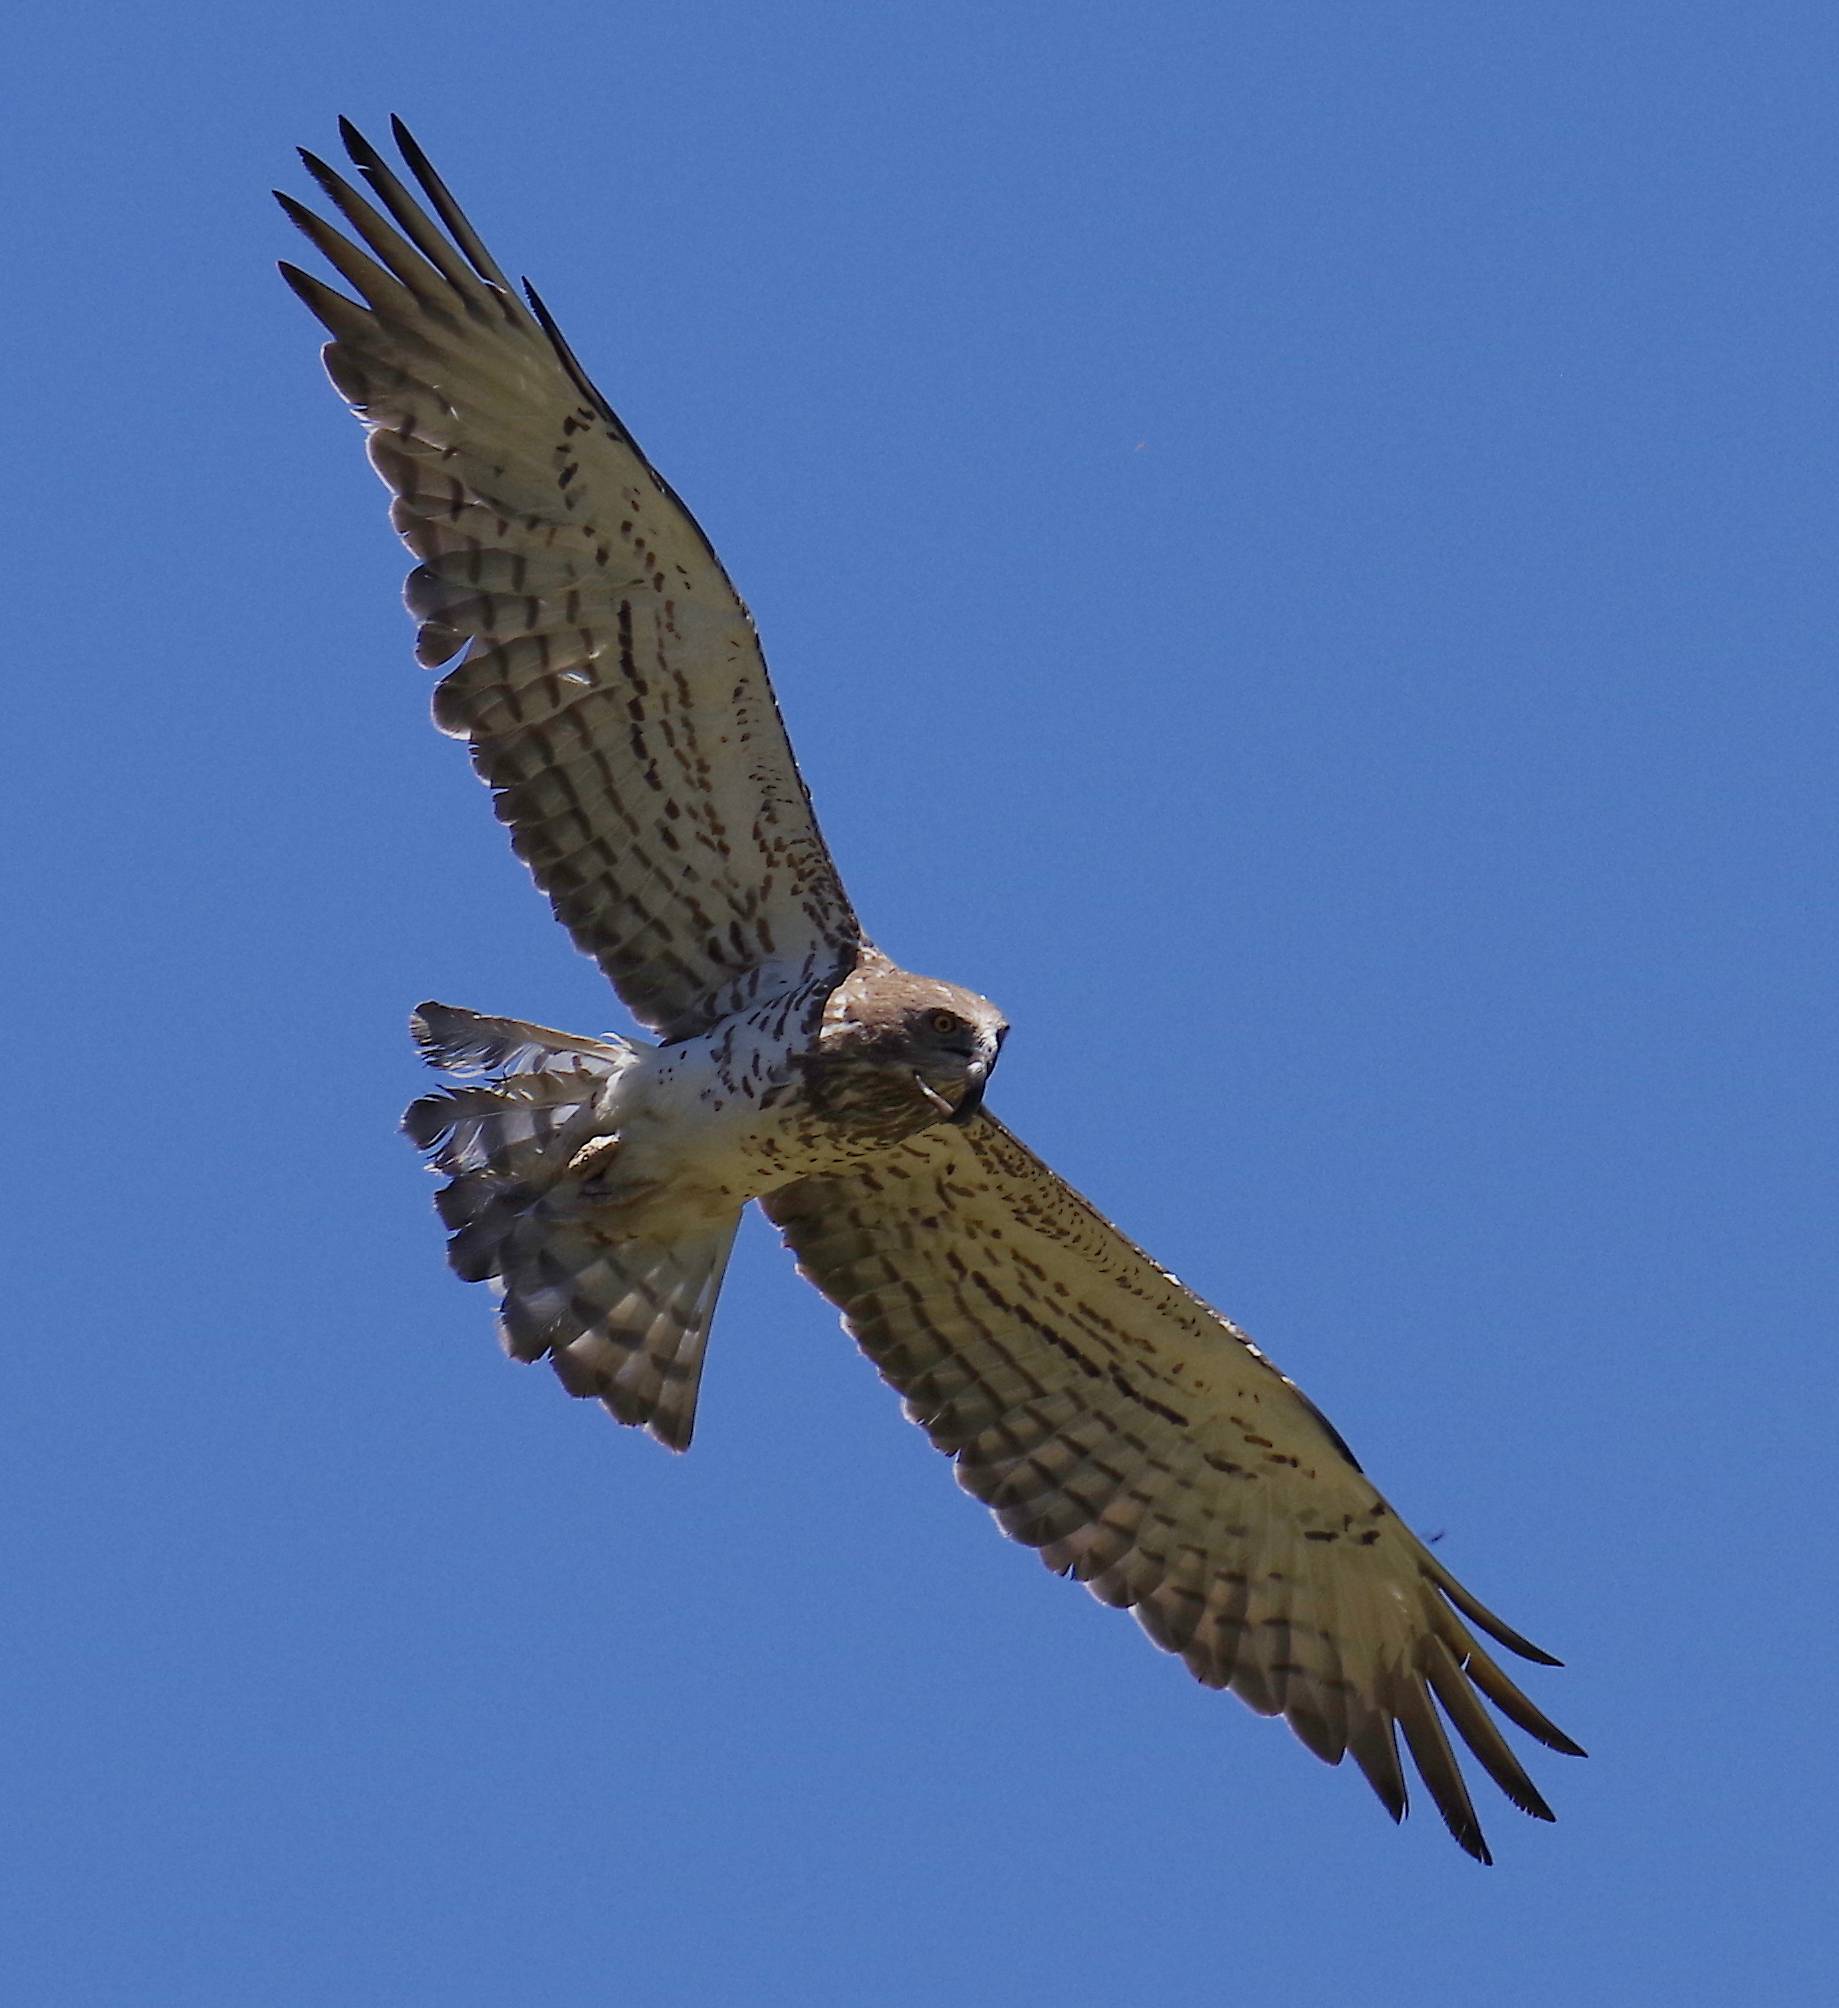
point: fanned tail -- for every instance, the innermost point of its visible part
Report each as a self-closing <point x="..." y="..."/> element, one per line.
<point x="623" y="1320"/>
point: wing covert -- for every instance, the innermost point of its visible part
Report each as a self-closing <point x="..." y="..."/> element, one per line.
<point x="610" y="685"/>
<point x="1116" y="1422"/>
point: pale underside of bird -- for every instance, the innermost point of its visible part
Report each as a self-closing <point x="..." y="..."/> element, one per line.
<point x="610" y="687"/>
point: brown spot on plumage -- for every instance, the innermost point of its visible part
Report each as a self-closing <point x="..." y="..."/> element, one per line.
<point x="1100" y="1406"/>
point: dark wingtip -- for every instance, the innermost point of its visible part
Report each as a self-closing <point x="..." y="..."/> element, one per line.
<point x="411" y="147"/>
<point x="1465" y="1830"/>
<point x="328" y="178"/>
<point x="303" y="283"/>
<point x="297" y="213"/>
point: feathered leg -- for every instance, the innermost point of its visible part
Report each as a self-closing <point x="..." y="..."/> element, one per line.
<point x="621" y="1318"/>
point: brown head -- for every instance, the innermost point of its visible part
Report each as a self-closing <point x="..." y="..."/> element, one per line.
<point x="911" y="1045"/>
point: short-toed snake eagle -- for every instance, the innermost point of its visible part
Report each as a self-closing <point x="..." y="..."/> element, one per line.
<point x="610" y="687"/>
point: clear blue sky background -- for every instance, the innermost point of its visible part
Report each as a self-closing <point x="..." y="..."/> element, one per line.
<point x="1298" y="546"/>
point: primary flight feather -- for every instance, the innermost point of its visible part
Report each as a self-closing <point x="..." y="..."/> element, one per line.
<point x="610" y="686"/>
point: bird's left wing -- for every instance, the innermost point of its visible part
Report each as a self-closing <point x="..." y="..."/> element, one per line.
<point x="612" y="688"/>
<point x="1114" y="1421"/>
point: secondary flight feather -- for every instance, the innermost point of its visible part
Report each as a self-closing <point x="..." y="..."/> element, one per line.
<point x="610" y="687"/>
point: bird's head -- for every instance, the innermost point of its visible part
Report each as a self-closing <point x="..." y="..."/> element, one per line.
<point x="936" y="1042"/>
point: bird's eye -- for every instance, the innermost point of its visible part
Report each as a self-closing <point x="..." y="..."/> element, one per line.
<point x="946" y="1021"/>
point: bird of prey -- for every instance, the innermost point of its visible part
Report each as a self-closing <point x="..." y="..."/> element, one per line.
<point x="609" y="684"/>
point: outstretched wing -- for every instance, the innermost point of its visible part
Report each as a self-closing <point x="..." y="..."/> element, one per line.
<point x="1116" y="1422"/>
<point x="612" y="687"/>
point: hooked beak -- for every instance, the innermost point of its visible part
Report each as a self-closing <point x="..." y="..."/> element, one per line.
<point x="972" y="1099"/>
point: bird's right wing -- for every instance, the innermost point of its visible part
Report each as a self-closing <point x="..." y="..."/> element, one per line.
<point x="1111" y="1419"/>
<point x="611" y="685"/>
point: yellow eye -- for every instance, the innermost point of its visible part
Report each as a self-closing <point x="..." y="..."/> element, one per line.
<point x="947" y="1021"/>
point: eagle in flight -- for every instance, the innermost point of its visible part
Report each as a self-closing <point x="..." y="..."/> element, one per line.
<point x="610" y="686"/>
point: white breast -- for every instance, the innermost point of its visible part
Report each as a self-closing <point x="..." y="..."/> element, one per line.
<point x="713" y="1121"/>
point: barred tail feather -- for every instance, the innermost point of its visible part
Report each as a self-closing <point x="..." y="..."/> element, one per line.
<point x="458" y="1041"/>
<point x="622" y="1320"/>
<point x="547" y="1093"/>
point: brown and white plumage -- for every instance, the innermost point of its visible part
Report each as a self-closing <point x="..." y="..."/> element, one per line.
<point x="1110" y="1418"/>
<point x="613" y="694"/>
<point x="621" y="1317"/>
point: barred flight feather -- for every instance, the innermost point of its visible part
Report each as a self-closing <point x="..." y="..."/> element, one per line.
<point x="1111" y="1419"/>
<point x="503" y="458"/>
<point x="611" y="690"/>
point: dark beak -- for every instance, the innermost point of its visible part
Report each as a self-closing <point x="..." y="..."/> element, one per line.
<point x="973" y="1096"/>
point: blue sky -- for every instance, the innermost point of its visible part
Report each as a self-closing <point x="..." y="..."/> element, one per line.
<point x="1297" y="547"/>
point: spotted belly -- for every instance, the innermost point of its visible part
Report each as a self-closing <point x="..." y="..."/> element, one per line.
<point x="751" y="1107"/>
